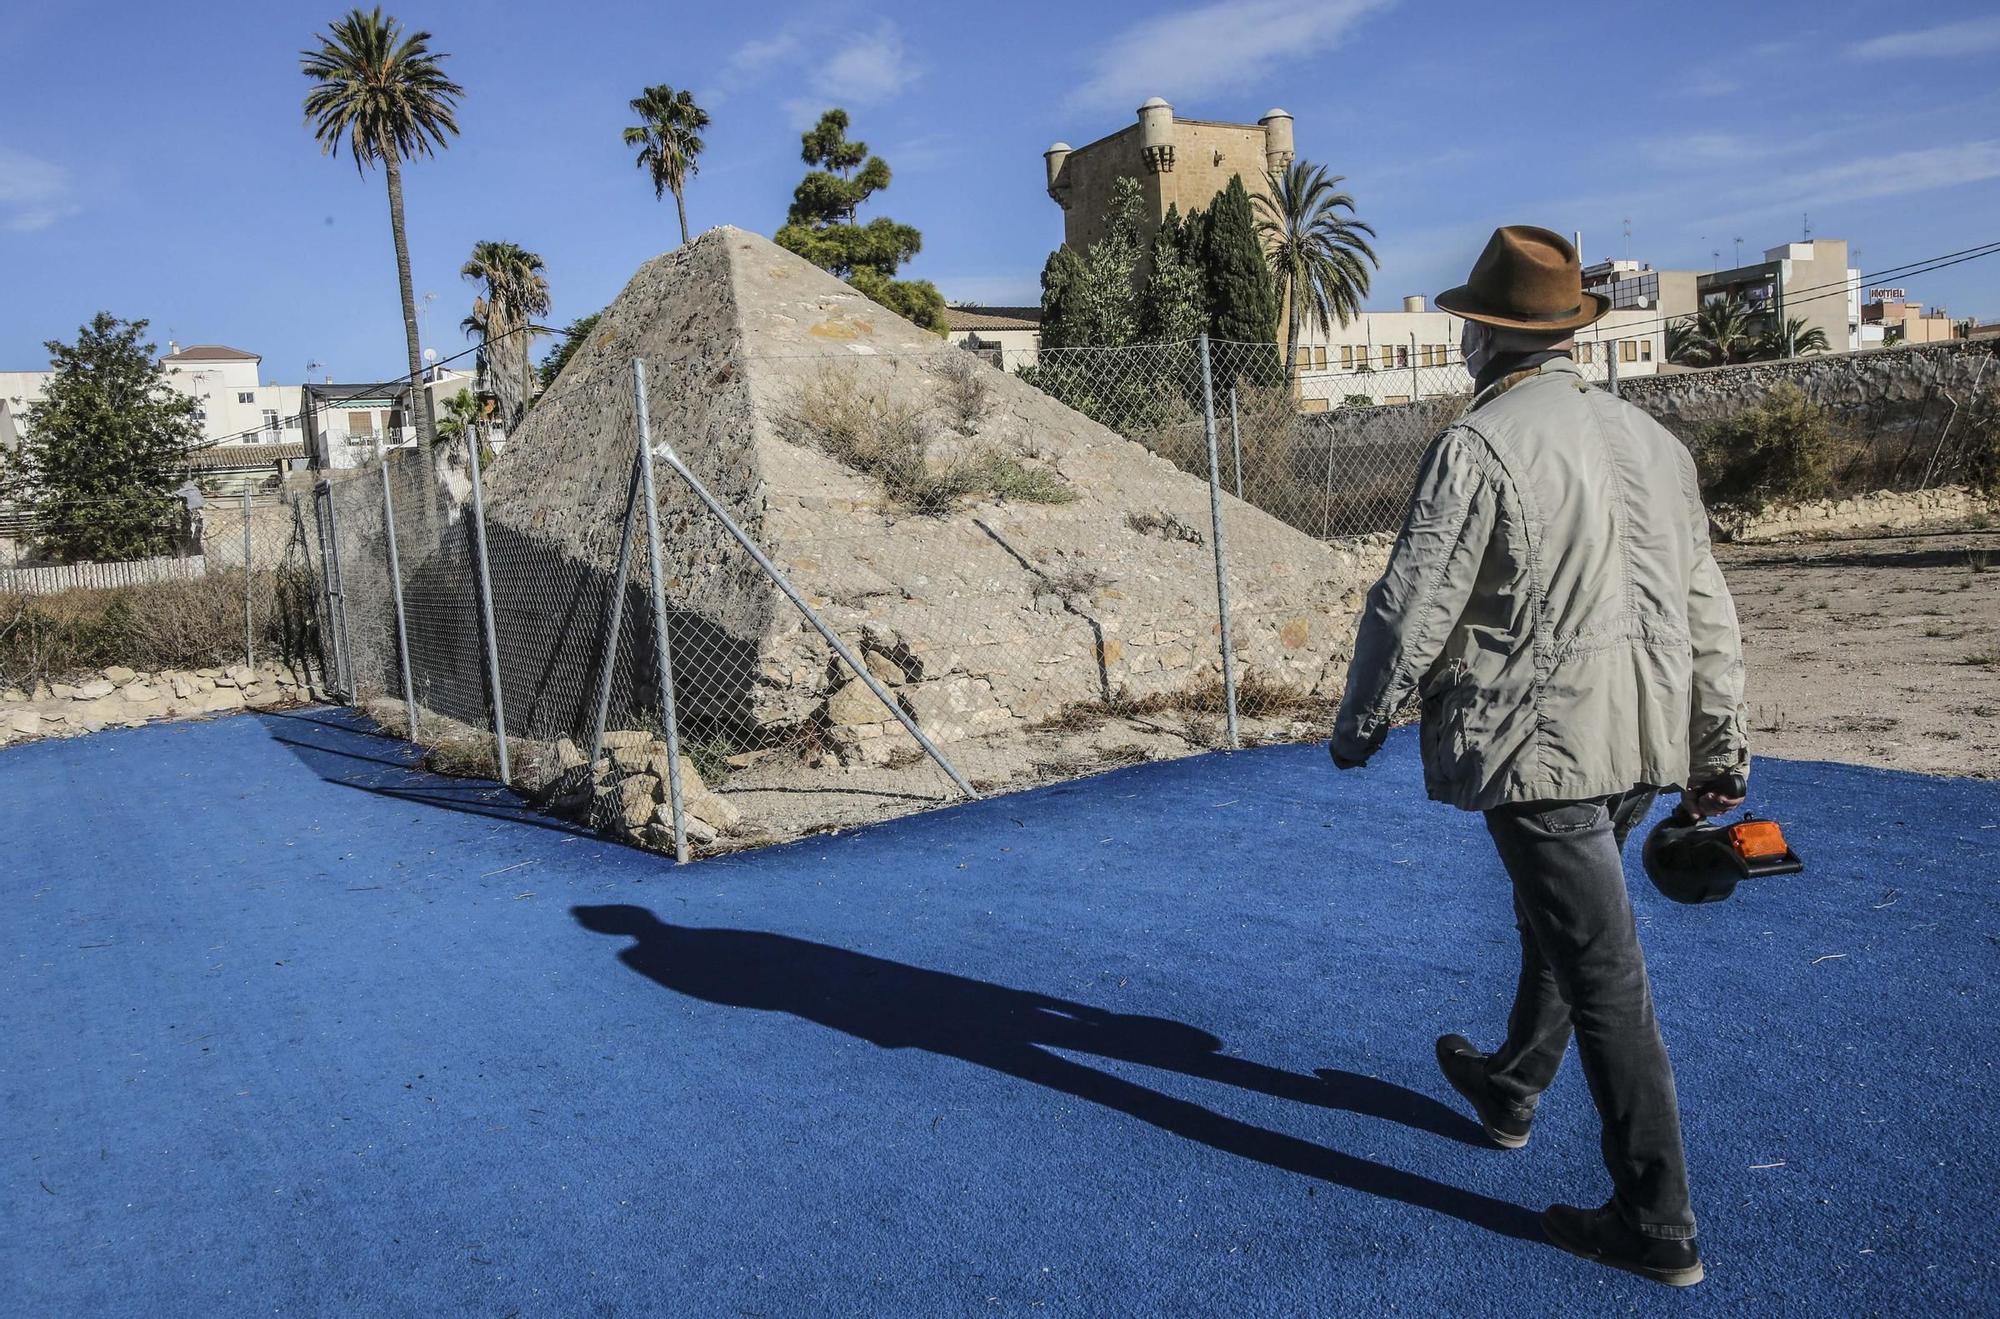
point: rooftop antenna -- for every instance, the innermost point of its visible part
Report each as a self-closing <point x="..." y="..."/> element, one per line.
<point x="1739" y="251"/>
<point x="1628" y="237"/>
<point x="1805" y="221"/>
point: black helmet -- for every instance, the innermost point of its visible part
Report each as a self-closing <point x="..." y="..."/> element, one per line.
<point x="1693" y="862"/>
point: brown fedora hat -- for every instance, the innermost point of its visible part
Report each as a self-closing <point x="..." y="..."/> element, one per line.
<point x="1528" y="278"/>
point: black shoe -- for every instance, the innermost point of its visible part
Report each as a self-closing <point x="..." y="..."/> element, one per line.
<point x="1601" y="1235"/>
<point x="1465" y="1067"/>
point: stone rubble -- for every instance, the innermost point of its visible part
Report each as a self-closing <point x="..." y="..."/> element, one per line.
<point x="121" y="697"/>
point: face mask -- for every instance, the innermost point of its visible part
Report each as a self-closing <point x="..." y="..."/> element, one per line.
<point x="1475" y="344"/>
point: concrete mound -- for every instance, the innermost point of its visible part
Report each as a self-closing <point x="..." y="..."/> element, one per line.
<point x="998" y="557"/>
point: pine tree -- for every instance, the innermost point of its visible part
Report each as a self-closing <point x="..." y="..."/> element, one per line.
<point x="106" y="447"/>
<point x="821" y="225"/>
<point x="1242" y="298"/>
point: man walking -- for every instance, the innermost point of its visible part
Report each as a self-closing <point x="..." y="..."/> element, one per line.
<point x="1553" y="601"/>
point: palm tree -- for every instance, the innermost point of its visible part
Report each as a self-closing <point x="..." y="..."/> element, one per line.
<point x="502" y="319"/>
<point x="383" y="97"/>
<point x="669" y="141"/>
<point x="1722" y="332"/>
<point x="1791" y="339"/>
<point x="1318" y="256"/>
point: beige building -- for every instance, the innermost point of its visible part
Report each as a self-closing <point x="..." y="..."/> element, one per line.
<point x="1007" y="337"/>
<point x="1889" y="316"/>
<point x="1400" y="356"/>
<point x="1180" y="163"/>
<point x="1811" y="281"/>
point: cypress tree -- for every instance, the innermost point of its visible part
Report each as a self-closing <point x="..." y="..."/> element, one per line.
<point x="1242" y="297"/>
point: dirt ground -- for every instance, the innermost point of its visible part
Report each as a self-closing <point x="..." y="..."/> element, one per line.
<point x="1874" y="651"/>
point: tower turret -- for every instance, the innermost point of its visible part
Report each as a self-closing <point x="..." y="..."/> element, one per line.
<point x="1277" y="126"/>
<point x="1156" y="135"/>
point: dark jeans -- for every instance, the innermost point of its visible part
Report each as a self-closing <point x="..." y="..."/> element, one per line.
<point x="1582" y="971"/>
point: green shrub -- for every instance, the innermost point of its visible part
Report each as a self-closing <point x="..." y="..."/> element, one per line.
<point x="1785" y="450"/>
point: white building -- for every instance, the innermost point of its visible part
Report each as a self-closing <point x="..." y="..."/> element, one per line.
<point x="1008" y="337"/>
<point x="1400" y="356"/>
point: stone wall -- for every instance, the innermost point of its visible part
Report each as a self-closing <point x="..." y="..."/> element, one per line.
<point x="123" y="698"/>
<point x="1885" y="510"/>
<point x="1892" y="388"/>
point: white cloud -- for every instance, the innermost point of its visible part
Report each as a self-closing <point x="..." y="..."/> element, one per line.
<point x="826" y="69"/>
<point x="34" y="193"/>
<point x="1974" y="36"/>
<point x="1219" y="47"/>
<point x="1895" y="174"/>
<point x="869" y="69"/>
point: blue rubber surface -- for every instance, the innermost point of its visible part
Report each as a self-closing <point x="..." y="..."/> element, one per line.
<point x="293" y="1029"/>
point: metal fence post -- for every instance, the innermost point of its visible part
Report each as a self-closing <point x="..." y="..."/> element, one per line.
<point x="1221" y="555"/>
<point x="343" y="671"/>
<point x="608" y="656"/>
<point x="665" y="451"/>
<point x="1611" y="365"/>
<point x="669" y="715"/>
<point x="485" y="589"/>
<point x="1236" y="441"/>
<point x="249" y="638"/>
<point x="396" y="590"/>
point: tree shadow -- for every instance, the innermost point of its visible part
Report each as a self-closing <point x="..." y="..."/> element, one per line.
<point x="895" y="1006"/>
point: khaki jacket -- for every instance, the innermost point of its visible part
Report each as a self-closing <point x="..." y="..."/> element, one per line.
<point x="1553" y="598"/>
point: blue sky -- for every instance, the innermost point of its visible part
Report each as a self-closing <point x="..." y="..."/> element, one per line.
<point x="153" y="159"/>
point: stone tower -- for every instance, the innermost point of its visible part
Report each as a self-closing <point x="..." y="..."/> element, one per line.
<point x="1178" y="162"/>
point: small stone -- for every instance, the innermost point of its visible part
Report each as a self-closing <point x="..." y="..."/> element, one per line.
<point x="243" y="674"/>
<point x="630" y="757"/>
<point x="27" y="722"/>
<point x="90" y="691"/>
<point x="140" y="694"/>
<point x="208" y="673"/>
<point x="260" y="698"/>
<point x="63" y="691"/>
<point x="181" y="687"/>
<point x="635" y="800"/>
<point x="568" y="755"/>
<point x="120" y="675"/>
<point x="221" y="699"/>
<point x="855" y="704"/>
<point x="13" y="696"/>
<point x="885" y="668"/>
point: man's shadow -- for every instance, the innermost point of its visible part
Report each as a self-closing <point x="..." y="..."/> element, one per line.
<point x="1012" y="1031"/>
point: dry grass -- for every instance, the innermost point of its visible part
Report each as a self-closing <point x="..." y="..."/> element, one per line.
<point x="889" y="437"/>
<point x="190" y="624"/>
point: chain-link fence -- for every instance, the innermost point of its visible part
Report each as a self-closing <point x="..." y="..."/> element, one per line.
<point x="723" y="600"/>
<point x="206" y="584"/>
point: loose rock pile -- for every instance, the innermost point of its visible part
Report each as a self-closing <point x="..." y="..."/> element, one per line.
<point x="119" y="697"/>
<point x="627" y="788"/>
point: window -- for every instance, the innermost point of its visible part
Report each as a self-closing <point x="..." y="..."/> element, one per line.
<point x="1312" y="405"/>
<point x="1347" y="356"/>
<point x="246" y="396"/>
<point x="1396" y="398"/>
<point x="271" y="420"/>
<point x="1645" y="350"/>
<point x="1402" y="355"/>
<point x="1628" y="350"/>
<point x="1388" y="357"/>
<point x="1319" y="359"/>
<point x="1583" y="353"/>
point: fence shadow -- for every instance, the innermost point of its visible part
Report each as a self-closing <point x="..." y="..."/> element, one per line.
<point x="344" y="747"/>
<point x="895" y="1006"/>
